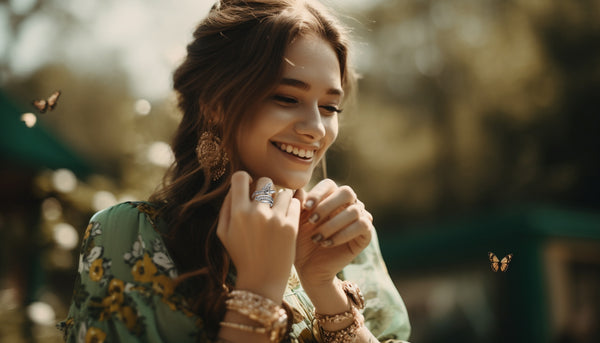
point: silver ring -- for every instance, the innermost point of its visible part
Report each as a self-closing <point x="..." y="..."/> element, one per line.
<point x="264" y="195"/>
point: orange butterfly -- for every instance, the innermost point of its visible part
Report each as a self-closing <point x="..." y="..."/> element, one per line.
<point x="47" y="104"/>
<point x="502" y="264"/>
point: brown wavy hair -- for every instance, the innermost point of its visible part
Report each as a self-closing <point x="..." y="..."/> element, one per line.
<point x="233" y="63"/>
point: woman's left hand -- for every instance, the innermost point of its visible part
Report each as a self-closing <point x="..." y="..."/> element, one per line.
<point x="334" y="229"/>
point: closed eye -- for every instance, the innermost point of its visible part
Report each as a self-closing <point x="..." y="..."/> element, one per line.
<point x="331" y="109"/>
<point x="285" y="100"/>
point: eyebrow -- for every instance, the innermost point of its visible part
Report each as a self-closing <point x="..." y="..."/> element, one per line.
<point x="305" y="86"/>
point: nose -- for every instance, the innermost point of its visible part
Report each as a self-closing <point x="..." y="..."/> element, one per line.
<point x="311" y="124"/>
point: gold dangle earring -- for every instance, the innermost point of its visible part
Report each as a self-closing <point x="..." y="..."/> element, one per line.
<point x="211" y="156"/>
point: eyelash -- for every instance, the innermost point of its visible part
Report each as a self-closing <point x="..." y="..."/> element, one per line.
<point x="291" y="101"/>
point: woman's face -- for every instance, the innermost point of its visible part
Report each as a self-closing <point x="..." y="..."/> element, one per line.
<point x="298" y="122"/>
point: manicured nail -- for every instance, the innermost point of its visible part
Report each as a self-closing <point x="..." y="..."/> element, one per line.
<point x="317" y="238"/>
<point x="309" y="204"/>
<point x="313" y="219"/>
<point x="326" y="243"/>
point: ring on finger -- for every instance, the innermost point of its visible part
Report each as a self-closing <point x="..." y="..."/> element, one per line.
<point x="265" y="194"/>
<point x="265" y="199"/>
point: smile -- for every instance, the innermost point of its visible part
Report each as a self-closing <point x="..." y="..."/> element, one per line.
<point x="298" y="152"/>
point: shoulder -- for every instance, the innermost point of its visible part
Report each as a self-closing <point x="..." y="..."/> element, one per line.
<point x="126" y="212"/>
<point x="123" y="235"/>
<point x="122" y="222"/>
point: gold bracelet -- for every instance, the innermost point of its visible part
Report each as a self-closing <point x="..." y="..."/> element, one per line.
<point x="345" y="335"/>
<point x="349" y="333"/>
<point x="271" y="316"/>
<point x="334" y="318"/>
<point x="242" y="327"/>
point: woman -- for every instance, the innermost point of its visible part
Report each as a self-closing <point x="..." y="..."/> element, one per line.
<point x="232" y="248"/>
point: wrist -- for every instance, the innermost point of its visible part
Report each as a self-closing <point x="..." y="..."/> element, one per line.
<point x="268" y="290"/>
<point x="327" y="297"/>
<point x="343" y="326"/>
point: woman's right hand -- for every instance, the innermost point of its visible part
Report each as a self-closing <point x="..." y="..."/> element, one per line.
<point x="260" y="239"/>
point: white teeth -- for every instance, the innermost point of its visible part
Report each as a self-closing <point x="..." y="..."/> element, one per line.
<point x="296" y="151"/>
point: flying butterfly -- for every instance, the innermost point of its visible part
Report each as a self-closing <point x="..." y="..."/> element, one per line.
<point x="47" y="104"/>
<point x="499" y="264"/>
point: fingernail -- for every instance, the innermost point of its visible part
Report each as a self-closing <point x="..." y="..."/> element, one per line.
<point x="317" y="238"/>
<point x="326" y="243"/>
<point x="313" y="219"/>
<point x="309" y="204"/>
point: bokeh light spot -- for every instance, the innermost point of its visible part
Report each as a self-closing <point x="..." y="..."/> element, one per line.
<point x="29" y="119"/>
<point x="51" y="209"/>
<point x="160" y="154"/>
<point x="103" y="199"/>
<point x="142" y="107"/>
<point x="66" y="236"/>
<point x="41" y="313"/>
<point x="64" y="180"/>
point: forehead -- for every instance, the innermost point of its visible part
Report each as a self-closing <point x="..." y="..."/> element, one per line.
<point x="312" y="59"/>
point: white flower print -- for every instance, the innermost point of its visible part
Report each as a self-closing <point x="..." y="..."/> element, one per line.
<point x="137" y="251"/>
<point x="86" y="262"/>
<point x="164" y="262"/>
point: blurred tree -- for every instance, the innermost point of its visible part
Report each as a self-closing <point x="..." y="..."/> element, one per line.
<point x="467" y="104"/>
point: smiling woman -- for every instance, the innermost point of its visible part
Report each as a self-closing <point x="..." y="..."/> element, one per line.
<point x="218" y="254"/>
<point x="293" y="127"/>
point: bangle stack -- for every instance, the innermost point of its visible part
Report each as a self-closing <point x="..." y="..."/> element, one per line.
<point x="349" y="333"/>
<point x="271" y="316"/>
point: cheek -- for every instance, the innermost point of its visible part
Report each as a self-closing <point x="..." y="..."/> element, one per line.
<point x="331" y="130"/>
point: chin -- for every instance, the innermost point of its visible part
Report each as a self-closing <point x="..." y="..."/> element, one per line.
<point x="292" y="182"/>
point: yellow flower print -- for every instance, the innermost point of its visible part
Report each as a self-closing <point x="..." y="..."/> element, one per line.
<point x="144" y="269"/>
<point x="163" y="285"/>
<point x="96" y="270"/>
<point x="94" y="335"/>
<point x="112" y="303"/>
<point x="116" y="286"/>
<point x="88" y="229"/>
<point x="129" y="317"/>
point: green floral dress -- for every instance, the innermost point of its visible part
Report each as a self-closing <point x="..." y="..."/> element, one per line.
<point x="124" y="291"/>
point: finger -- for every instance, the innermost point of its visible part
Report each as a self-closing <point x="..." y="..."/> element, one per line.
<point x="359" y="232"/>
<point x="265" y="189"/>
<point x="341" y="198"/>
<point x="293" y="213"/>
<point x="240" y="185"/>
<point x="364" y="210"/>
<point x="300" y="194"/>
<point x="320" y="191"/>
<point x="282" y="200"/>
<point x="224" y="218"/>
<point x="337" y="223"/>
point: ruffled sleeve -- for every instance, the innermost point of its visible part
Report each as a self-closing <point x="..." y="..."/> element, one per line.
<point x="385" y="313"/>
<point x="124" y="290"/>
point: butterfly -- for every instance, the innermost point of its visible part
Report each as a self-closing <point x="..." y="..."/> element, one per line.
<point x="501" y="264"/>
<point x="47" y="104"/>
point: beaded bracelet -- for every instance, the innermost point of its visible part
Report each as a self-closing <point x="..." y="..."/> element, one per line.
<point x="335" y="318"/>
<point x="347" y="334"/>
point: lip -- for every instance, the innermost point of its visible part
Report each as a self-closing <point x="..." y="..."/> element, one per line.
<point x="295" y="158"/>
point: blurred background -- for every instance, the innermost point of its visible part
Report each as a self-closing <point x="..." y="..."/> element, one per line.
<point x="476" y="130"/>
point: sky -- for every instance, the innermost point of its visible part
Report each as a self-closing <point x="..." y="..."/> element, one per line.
<point x="145" y="38"/>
